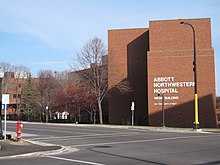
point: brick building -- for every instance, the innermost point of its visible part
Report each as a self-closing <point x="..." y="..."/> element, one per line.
<point x="11" y="83"/>
<point x="218" y="107"/>
<point x="159" y="59"/>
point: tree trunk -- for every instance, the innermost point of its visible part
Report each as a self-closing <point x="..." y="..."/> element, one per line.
<point x="94" y="117"/>
<point x="91" y="117"/>
<point x="100" y="111"/>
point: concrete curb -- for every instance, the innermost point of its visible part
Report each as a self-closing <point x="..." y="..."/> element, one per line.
<point x="151" y="128"/>
<point x="62" y="150"/>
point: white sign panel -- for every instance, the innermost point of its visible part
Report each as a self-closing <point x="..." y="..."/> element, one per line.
<point x="132" y="106"/>
<point x="5" y="98"/>
<point x="1" y="74"/>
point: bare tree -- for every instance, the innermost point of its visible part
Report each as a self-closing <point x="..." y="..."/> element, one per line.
<point x="6" y="67"/>
<point x="94" y="73"/>
<point x="45" y="91"/>
<point x="21" y="73"/>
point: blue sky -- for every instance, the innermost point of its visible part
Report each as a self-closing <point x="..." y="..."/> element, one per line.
<point x="46" y="34"/>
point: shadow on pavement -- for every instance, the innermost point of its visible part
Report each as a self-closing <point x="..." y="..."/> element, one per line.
<point x="121" y="156"/>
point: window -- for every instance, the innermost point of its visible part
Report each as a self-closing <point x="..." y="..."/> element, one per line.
<point x="19" y="85"/>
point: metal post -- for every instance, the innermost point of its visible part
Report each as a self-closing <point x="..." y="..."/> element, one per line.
<point x="1" y="132"/>
<point x="5" y="120"/>
<point x="5" y="102"/>
<point x="132" y="114"/>
<point x="196" y="121"/>
<point x="163" y="113"/>
<point x="47" y="114"/>
<point x="163" y="124"/>
<point x="132" y="119"/>
<point x="1" y="87"/>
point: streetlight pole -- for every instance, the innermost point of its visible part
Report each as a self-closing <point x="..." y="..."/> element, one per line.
<point x="196" y="122"/>
<point x="1" y="91"/>
<point x="47" y="113"/>
<point x="1" y="132"/>
<point x="163" y="118"/>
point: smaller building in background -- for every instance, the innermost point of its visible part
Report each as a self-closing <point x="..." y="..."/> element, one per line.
<point x="12" y="83"/>
<point x="61" y="115"/>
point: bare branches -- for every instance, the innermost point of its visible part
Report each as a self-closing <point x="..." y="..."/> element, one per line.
<point x="123" y="87"/>
<point x="90" y="55"/>
<point x="20" y="71"/>
<point x="6" y="67"/>
<point x="91" y="72"/>
<point x="91" y="69"/>
<point x="46" y="86"/>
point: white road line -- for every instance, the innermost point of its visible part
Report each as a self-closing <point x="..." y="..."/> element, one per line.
<point x="77" y="128"/>
<point x="83" y="137"/>
<point x="78" y="136"/>
<point x="48" y="130"/>
<point x="74" y="160"/>
<point x="141" y="141"/>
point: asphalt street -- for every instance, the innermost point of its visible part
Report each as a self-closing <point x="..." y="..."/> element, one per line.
<point x="123" y="146"/>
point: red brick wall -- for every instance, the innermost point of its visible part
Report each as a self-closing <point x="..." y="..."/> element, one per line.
<point x="165" y="50"/>
<point x="169" y="35"/>
<point x="127" y="60"/>
<point x="171" y="55"/>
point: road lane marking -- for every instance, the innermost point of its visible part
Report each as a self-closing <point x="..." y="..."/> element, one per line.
<point x="83" y="136"/>
<point x="74" y="160"/>
<point x="141" y="141"/>
<point x="69" y="128"/>
<point x="48" y="130"/>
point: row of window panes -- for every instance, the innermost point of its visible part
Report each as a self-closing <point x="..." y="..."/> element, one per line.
<point x="13" y="96"/>
<point x="11" y="86"/>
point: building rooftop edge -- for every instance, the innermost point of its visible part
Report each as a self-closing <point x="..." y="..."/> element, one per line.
<point x="159" y="20"/>
<point x="128" y="29"/>
<point x="178" y="19"/>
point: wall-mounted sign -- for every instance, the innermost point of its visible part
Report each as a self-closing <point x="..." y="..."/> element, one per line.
<point x="170" y="88"/>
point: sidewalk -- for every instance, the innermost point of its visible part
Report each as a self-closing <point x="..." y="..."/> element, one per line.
<point x="9" y="148"/>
